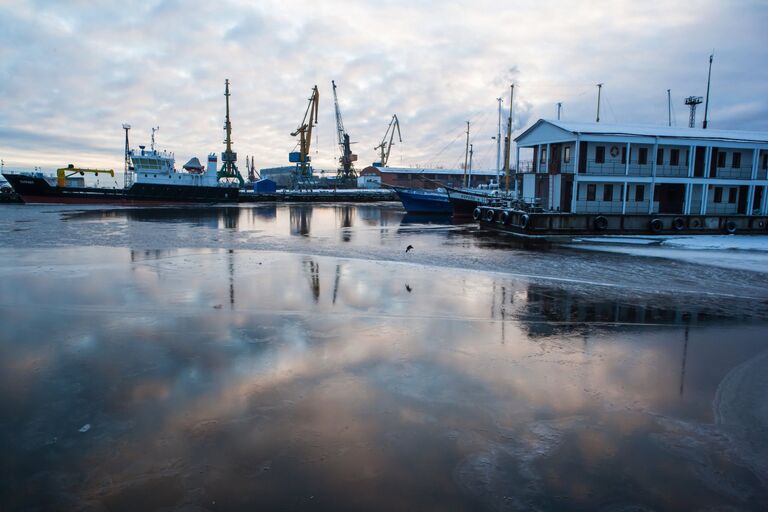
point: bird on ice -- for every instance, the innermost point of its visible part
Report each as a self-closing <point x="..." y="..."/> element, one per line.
<point x="408" y="249"/>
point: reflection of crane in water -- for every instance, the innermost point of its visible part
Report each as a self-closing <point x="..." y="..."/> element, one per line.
<point x="301" y="219"/>
<point x="345" y="216"/>
<point x="313" y="269"/>
<point x="336" y="283"/>
<point x="231" y="265"/>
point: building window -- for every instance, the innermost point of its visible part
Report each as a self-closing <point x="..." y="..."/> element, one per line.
<point x="600" y="154"/>
<point x="624" y="155"/>
<point x="567" y="154"/>
<point x="591" y="192"/>
<point x="736" y="160"/>
<point x="732" y="195"/>
<point x="687" y="157"/>
<point x="765" y="161"/>
<point x="718" y="194"/>
<point x="721" y="159"/>
<point x="607" y="192"/>
<point x="674" y="157"/>
<point x="543" y="156"/>
<point x="642" y="156"/>
<point x="639" y="193"/>
<point x="660" y="156"/>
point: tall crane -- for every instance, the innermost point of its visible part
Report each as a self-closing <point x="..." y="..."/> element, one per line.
<point x="386" y="147"/>
<point x="228" y="157"/>
<point x="346" y="174"/>
<point x="303" y="173"/>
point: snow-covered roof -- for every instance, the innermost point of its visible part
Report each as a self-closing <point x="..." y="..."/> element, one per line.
<point x="452" y="172"/>
<point x="641" y="130"/>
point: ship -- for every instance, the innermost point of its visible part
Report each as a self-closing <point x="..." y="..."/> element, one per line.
<point x="156" y="182"/>
<point x="464" y="200"/>
<point x="423" y="201"/>
<point x="150" y="178"/>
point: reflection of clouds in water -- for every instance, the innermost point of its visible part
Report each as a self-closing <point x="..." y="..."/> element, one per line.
<point x="346" y="379"/>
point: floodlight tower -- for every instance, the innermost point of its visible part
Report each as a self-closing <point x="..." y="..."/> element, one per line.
<point x="692" y="101"/>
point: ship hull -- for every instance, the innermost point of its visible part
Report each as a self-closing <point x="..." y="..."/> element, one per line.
<point x="423" y="201"/>
<point x="463" y="201"/>
<point x="35" y="189"/>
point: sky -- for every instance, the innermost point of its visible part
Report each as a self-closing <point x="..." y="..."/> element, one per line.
<point x="72" y="72"/>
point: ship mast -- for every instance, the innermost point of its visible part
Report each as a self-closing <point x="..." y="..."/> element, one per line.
<point x="466" y="156"/>
<point x="508" y="140"/>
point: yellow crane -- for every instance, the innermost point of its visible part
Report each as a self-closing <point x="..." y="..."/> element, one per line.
<point x="61" y="174"/>
<point x="301" y="157"/>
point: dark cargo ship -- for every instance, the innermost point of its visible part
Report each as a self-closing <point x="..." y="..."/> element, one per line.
<point x="156" y="182"/>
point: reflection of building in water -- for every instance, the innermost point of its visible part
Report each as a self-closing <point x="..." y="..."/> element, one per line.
<point x="313" y="272"/>
<point x="548" y="311"/>
<point x="266" y="212"/>
<point x="344" y="221"/>
<point x="301" y="219"/>
<point x="370" y="215"/>
<point x="229" y="217"/>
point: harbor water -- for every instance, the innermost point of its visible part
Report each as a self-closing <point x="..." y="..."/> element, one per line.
<point x="297" y="357"/>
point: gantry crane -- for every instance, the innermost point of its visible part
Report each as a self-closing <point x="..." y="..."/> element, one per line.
<point x="303" y="174"/>
<point x="386" y="147"/>
<point x="228" y="157"/>
<point x="346" y="175"/>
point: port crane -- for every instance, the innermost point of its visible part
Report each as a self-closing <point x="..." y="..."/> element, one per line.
<point x="346" y="175"/>
<point x="61" y="174"/>
<point x="386" y="147"/>
<point x="303" y="174"/>
<point x="228" y="157"/>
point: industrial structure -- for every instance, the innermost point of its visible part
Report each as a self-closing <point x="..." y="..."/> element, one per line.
<point x="347" y="177"/>
<point x="385" y="147"/>
<point x="228" y="157"/>
<point x="302" y="174"/>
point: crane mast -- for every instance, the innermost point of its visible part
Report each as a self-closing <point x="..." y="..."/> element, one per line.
<point x="346" y="174"/>
<point x="303" y="174"/>
<point x="228" y="157"/>
<point x="386" y="147"/>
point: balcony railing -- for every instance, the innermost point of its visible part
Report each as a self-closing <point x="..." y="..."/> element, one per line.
<point x="738" y="173"/>
<point x="618" y="169"/>
<point x="672" y="171"/>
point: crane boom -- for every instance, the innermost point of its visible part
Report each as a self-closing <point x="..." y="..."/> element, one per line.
<point x="61" y="174"/>
<point x="385" y="148"/>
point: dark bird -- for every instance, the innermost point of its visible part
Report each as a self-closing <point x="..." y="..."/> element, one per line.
<point x="407" y="249"/>
<point x="408" y="287"/>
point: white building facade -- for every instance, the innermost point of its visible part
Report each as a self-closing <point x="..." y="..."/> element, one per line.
<point x="604" y="168"/>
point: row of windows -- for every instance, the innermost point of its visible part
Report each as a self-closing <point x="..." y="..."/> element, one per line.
<point x="608" y="192"/>
<point x="642" y="157"/>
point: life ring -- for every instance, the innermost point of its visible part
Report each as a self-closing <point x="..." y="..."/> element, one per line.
<point x="525" y="219"/>
<point x="477" y="213"/>
<point x="730" y="227"/>
<point x="614" y="151"/>
<point x="678" y="223"/>
<point x="656" y="225"/>
<point x="695" y="222"/>
<point x="489" y="214"/>
<point x="600" y="223"/>
<point x="504" y="218"/>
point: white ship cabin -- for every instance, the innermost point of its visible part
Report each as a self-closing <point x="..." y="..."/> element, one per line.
<point x="155" y="167"/>
<point x="604" y="168"/>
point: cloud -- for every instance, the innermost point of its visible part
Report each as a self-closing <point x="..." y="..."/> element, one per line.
<point x="83" y="68"/>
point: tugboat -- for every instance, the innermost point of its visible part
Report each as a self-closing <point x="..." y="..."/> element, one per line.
<point x="151" y="178"/>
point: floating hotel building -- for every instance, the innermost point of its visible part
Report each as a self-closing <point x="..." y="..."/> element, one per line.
<point x="598" y="168"/>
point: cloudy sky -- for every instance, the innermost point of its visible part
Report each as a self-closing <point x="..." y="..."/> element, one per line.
<point x="71" y="72"/>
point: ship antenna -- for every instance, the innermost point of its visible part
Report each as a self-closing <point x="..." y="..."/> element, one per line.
<point x="127" y="171"/>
